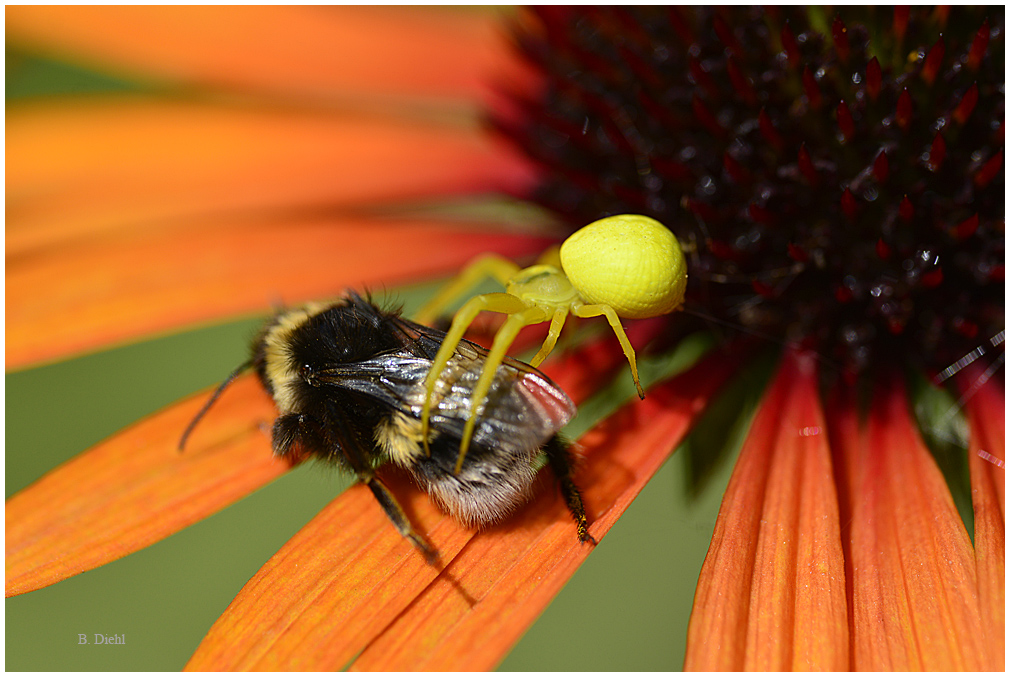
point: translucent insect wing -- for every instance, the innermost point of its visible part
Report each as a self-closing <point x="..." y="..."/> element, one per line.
<point x="522" y="411"/>
<point x="523" y="408"/>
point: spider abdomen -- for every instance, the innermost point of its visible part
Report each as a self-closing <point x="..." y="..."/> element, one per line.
<point x="629" y="262"/>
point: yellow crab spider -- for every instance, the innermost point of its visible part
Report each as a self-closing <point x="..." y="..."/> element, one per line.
<point x="624" y="266"/>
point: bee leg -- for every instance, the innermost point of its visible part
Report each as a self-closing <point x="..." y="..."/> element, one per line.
<point x="592" y="310"/>
<point x="486" y="266"/>
<point x="294" y="434"/>
<point x="464" y="317"/>
<point x="518" y="319"/>
<point x="560" y="460"/>
<point x="399" y="519"/>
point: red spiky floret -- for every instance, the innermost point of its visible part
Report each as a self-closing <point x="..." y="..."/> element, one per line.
<point x="849" y="204"/>
<point x="845" y="120"/>
<point x="842" y="168"/>
<point x="806" y="166"/>
<point x="966" y="228"/>
<point x="966" y="104"/>
<point x="789" y="42"/>
<point x="932" y="64"/>
<point x="900" y="20"/>
<point x="904" y="110"/>
<point x="906" y="210"/>
<point x="811" y="88"/>
<point x="840" y="39"/>
<point x="881" y="167"/>
<point x="937" y="151"/>
<point x="979" y="44"/>
<point x="873" y="83"/>
<point x="769" y="131"/>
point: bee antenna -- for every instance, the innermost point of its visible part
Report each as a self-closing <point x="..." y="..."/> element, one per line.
<point x="203" y="410"/>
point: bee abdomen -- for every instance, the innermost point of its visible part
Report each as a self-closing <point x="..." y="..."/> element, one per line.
<point x="484" y="492"/>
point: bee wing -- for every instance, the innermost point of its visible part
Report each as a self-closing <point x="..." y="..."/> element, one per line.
<point x="426" y="341"/>
<point x="523" y="408"/>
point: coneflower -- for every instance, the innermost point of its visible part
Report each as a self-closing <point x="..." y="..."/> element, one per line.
<point x="837" y="177"/>
<point x="837" y="180"/>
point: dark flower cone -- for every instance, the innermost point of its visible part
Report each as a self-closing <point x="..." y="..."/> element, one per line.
<point x="835" y="177"/>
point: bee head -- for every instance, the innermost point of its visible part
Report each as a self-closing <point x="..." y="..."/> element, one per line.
<point x="299" y="343"/>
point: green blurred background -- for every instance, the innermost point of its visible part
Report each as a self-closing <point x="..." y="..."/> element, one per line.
<point x="626" y="609"/>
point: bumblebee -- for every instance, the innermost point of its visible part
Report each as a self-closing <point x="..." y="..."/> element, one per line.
<point x="349" y="380"/>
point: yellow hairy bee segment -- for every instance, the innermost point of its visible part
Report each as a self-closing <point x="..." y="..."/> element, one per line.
<point x="629" y="262"/>
<point x="399" y="437"/>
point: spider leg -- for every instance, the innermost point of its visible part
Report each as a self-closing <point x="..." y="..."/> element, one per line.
<point x="497" y="302"/>
<point x="551" y="256"/>
<point x="555" y="329"/>
<point x="517" y="320"/>
<point x="593" y="310"/>
<point x="486" y="266"/>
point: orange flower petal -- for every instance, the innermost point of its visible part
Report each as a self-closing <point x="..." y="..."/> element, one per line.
<point x="913" y="574"/>
<point x="308" y="626"/>
<point x="312" y="53"/>
<point x="293" y="613"/>
<point x="107" y="291"/>
<point x="345" y="596"/>
<point x="137" y="488"/>
<point x="772" y="592"/>
<point x="985" y="407"/>
<point x="95" y="168"/>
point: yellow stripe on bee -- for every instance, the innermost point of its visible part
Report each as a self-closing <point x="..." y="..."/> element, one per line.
<point x="279" y="366"/>
<point x="399" y="437"/>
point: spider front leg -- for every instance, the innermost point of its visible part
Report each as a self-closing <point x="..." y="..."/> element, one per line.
<point x="498" y="302"/>
<point x="593" y="310"/>
<point x="529" y="315"/>
<point x="486" y="266"/>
